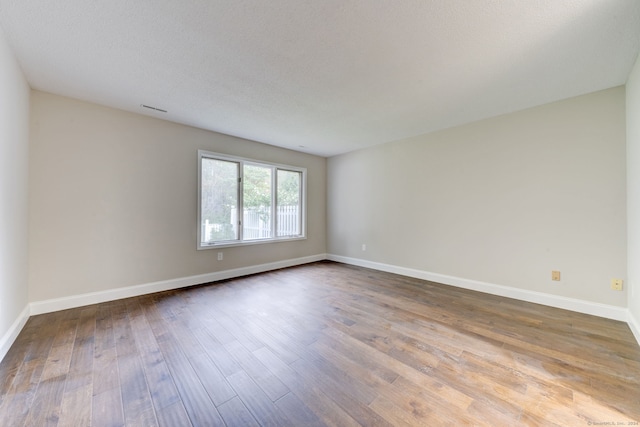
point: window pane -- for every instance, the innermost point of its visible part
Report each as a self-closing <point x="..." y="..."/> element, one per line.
<point x="256" y="202"/>
<point x="288" y="198"/>
<point x="219" y="204"/>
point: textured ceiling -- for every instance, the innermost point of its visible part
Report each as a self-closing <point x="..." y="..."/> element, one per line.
<point x="323" y="76"/>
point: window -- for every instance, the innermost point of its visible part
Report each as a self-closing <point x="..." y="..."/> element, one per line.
<point x="244" y="201"/>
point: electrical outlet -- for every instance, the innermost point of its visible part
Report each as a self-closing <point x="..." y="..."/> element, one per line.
<point x="220" y="256"/>
<point x="555" y="275"/>
<point x="364" y="247"/>
<point x="616" y="284"/>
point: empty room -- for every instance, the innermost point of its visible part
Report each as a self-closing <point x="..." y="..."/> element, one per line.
<point x="319" y="213"/>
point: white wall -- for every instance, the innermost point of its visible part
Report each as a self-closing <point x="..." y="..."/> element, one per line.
<point x="502" y="201"/>
<point x="113" y="200"/>
<point x="633" y="195"/>
<point x="14" y="155"/>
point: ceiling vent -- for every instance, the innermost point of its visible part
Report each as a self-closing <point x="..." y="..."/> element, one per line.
<point x="153" y="108"/>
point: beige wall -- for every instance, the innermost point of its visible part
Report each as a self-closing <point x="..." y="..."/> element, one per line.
<point x="113" y="200"/>
<point x="633" y="191"/>
<point x="503" y="201"/>
<point x="14" y="156"/>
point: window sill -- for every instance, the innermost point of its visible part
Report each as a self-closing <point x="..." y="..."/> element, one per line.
<point x="248" y="242"/>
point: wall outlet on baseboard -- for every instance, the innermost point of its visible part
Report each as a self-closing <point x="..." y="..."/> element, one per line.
<point x="616" y="284"/>
<point x="364" y="247"/>
<point x="220" y="256"/>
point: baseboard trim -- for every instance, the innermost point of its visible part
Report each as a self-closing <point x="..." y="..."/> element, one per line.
<point x="634" y="325"/>
<point x="57" y="304"/>
<point x="572" y="304"/>
<point x="10" y="336"/>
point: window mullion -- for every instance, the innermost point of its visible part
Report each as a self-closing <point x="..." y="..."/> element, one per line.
<point x="274" y="207"/>
<point x="240" y="221"/>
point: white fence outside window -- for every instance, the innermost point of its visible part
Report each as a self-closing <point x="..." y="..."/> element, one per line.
<point x="257" y="224"/>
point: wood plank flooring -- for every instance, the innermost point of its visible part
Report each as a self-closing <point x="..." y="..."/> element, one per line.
<point x="323" y="344"/>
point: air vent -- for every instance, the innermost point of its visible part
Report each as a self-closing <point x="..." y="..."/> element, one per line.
<point x="153" y="108"/>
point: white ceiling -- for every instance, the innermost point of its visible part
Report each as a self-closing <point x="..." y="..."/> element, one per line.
<point x="323" y="76"/>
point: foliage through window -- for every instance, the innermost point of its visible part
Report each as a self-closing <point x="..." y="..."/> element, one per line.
<point x="247" y="201"/>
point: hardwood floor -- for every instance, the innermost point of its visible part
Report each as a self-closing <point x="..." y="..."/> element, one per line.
<point x="320" y="344"/>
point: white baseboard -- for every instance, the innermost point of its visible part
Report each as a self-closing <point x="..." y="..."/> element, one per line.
<point x="580" y="306"/>
<point x="8" y="338"/>
<point x="56" y="304"/>
<point x="48" y="306"/>
<point x="634" y="325"/>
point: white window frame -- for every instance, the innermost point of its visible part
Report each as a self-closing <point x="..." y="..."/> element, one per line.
<point x="204" y="154"/>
